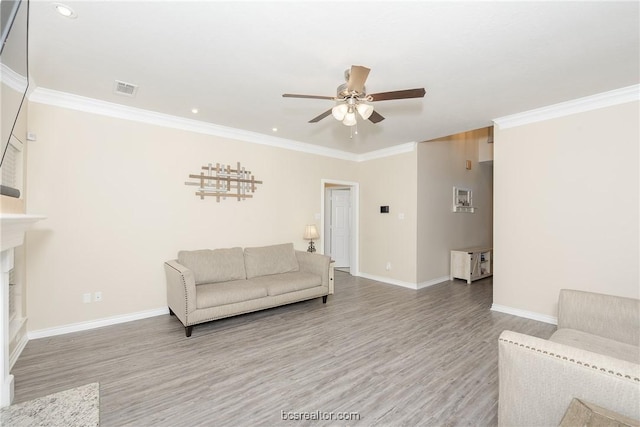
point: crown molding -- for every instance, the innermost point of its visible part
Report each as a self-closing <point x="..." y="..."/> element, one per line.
<point x="90" y="105"/>
<point x="12" y="79"/>
<point x="407" y="147"/>
<point x="580" y="105"/>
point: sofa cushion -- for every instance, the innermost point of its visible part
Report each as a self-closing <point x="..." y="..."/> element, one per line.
<point x="215" y="294"/>
<point x="278" y="284"/>
<point x="597" y="344"/>
<point x="265" y="260"/>
<point x="213" y="266"/>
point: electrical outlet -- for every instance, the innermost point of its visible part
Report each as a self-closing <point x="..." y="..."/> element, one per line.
<point x="388" y="267"/>
<point x="97" y="297"/>
<point x="86" y="298"/>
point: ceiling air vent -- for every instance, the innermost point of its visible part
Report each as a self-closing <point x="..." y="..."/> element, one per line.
<point x="126" y="89"/>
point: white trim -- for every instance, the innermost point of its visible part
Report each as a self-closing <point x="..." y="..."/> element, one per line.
<point x="524" y="313"/>
<point x="13" y="227"/>
<point x="433" y="282"/>
<point x="94" y="106"/>
<point x="93" y="324"/>
<point x="390" y="281"/>
<point x="17" y="351"/>
<point x="387" y="152"/>
<point x="580" y="105"/>
<point x="15" y="81"/>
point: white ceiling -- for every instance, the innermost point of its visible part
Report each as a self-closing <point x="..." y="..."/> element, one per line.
<point x="233" y="60"/>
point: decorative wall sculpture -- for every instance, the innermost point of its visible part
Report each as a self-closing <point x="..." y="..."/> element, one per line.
<point x="220" y="181"/>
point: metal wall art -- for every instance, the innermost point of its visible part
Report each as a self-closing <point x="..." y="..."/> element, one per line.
<point x="220" y="181"/>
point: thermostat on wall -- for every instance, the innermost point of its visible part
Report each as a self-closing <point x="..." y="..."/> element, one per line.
<point x="384" y="209"/>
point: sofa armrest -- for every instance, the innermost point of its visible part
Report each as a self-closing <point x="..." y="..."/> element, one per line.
<point x="608" y="316"/>
<point x="181" y="290"/>
<point x="316" y="264"/>
<point x="539" y="378"/>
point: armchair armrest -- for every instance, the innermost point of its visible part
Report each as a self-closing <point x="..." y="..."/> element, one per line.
<point x="316" y="264"/>
<point x="607" y="316"/>
<point x="181" y="290"/>
<point x="539" y="378"/>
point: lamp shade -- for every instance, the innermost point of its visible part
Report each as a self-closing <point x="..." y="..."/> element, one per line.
<point x="350" y="118"/>
<point x="339" y="111"/>
<point x="310" y="232"/>
<point x="365" y="110"/>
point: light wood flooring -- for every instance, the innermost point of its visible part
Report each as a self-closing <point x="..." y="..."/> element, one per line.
<point x="392" y="355"/>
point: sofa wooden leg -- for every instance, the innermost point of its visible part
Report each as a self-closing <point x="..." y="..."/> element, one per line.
<point x="324" y="299"/>
<point x="187" y="330"/>
<point x="171" y="313"/>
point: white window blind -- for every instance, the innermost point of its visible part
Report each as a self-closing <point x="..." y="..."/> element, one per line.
<point x="9" y="167"/>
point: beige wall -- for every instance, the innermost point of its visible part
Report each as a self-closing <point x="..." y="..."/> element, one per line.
<point x="385" y="238"/>
<point x="117" y="207"/>
<point x="566" y="208"/>
<point x="441" y="166"/>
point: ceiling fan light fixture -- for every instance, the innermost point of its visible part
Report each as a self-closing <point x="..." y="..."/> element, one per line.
<point x="340" y="111"/>
<point x="365" y="110"/>
<point x="352" y="99"/>
<point x="350" y="118"/>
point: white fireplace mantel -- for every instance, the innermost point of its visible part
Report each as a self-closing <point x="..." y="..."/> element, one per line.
<point x="12" y="230"/>
<point x="13" y="227"/>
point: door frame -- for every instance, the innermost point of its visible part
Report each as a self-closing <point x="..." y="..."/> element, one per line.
<point x="354" y="188"/>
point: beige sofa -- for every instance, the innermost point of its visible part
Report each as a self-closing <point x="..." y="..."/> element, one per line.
<point x="594" y="356"/>
<point x="205" y="285"/>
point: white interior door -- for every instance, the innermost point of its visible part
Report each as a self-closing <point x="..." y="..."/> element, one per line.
<point x="341" y="227"/>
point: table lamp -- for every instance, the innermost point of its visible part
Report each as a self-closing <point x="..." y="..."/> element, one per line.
<point x="310" y="233"/>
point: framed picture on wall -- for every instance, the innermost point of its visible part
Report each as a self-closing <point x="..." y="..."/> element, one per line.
<point x="463" y="200"/>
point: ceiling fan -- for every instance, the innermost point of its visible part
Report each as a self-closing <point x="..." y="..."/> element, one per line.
<point x="352" y="98"/>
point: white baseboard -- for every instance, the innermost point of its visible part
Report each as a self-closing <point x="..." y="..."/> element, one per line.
<point x="13" y="357"/>
<point x="433" y="282"/>
<point x="389" y="281"/>
<point x="414" y="286"/>
<point x="93" y="324"/>
<point x="524" y="313"/>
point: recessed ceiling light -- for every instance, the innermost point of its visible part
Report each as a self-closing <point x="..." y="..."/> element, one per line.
<point x="65" y="10"/>
<point x="194" y="110"/>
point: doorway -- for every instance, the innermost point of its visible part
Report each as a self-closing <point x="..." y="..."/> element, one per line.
<point x="339" y="224"/>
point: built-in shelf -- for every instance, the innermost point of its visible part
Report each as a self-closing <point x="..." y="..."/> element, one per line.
<point x="12" y="322"/>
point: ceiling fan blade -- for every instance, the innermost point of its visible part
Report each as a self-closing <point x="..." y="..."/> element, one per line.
<point x="293" y="95"/>
<point x="375" y="117"/>
<point x="320" y="117"/>
<point x="398" y="94"/>
<point x="357" y="77"/>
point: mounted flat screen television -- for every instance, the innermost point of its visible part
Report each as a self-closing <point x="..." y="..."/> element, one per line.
<point x="14" y="66"/>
